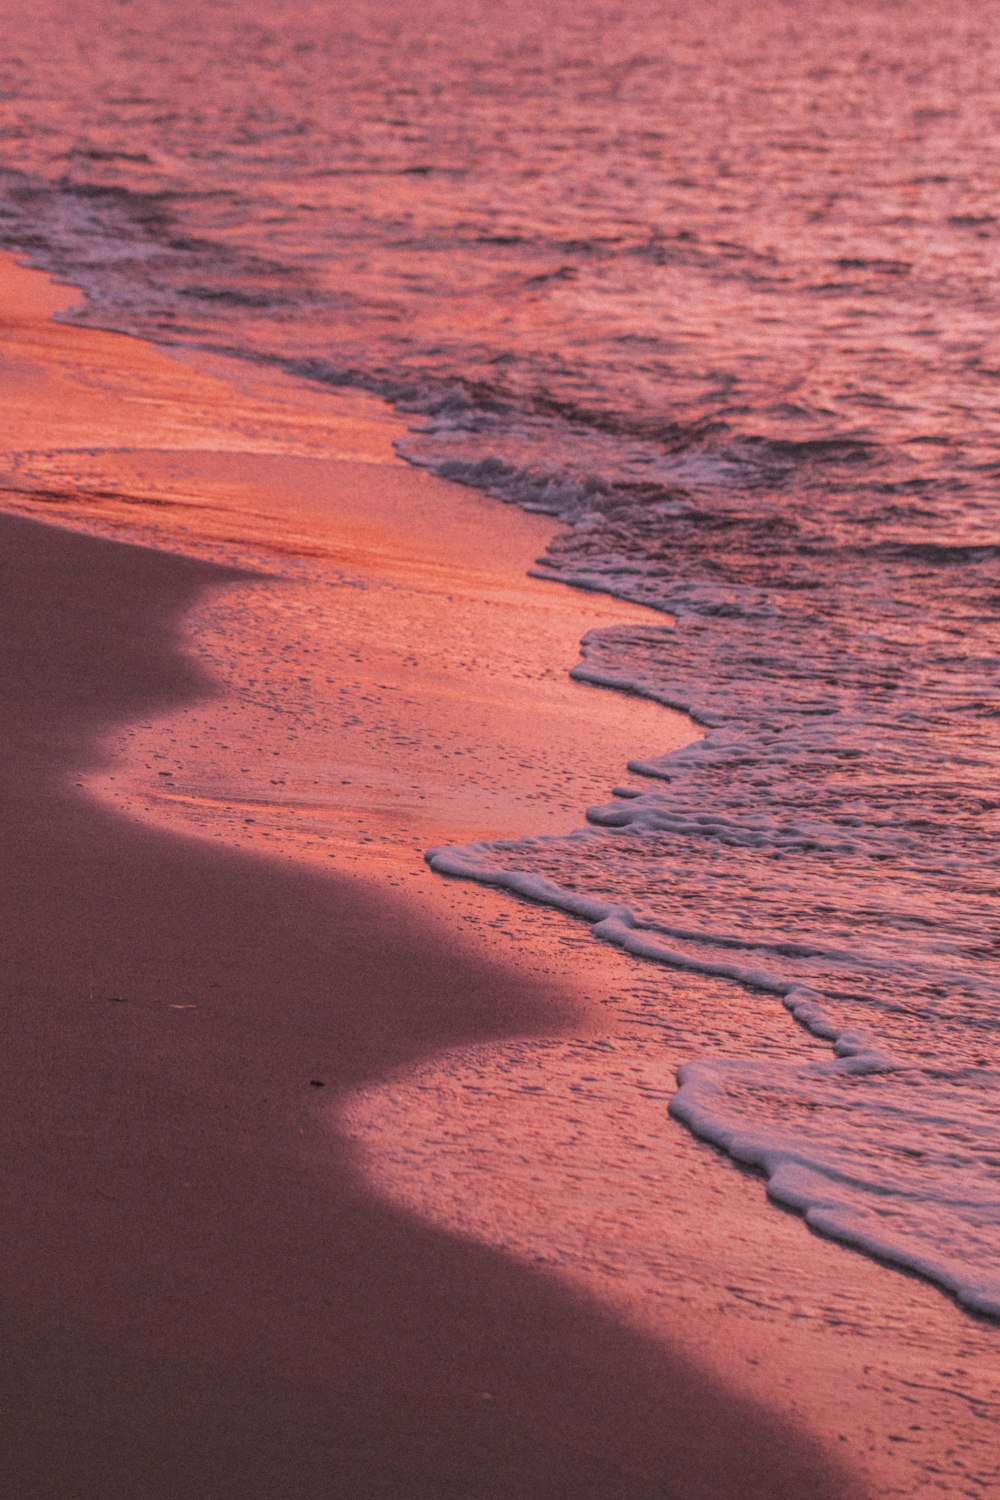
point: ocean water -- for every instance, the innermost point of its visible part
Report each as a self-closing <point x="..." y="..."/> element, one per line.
<point x="718" y="287"/>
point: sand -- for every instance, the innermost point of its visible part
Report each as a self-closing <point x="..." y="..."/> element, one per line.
<point x="295" y="1201"/>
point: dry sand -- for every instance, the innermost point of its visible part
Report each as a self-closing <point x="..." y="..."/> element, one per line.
<point x="302" y="1196"/>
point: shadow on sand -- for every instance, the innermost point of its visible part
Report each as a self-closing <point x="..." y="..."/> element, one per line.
<point x="200" y="1300"/>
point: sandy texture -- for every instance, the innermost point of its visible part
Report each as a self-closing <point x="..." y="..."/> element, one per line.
<point x="199" y="1298"/>
<point x="276" y="1222"/>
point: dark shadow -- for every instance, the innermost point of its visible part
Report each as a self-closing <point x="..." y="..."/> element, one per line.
<point x="200" y="1302"/>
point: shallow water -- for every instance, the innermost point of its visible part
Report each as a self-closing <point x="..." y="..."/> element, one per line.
<point x="720" y="290"/>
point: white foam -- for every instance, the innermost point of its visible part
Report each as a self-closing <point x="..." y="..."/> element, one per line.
<point x="873" y="1149"/>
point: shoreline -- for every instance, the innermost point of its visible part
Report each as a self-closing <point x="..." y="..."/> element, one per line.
<point x="216" y="1131"/>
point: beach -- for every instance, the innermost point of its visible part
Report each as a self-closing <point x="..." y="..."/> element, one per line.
<point x="305" y="1190"/>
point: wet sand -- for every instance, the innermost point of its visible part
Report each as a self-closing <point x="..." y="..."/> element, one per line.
<point x="226" y="1272"/>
